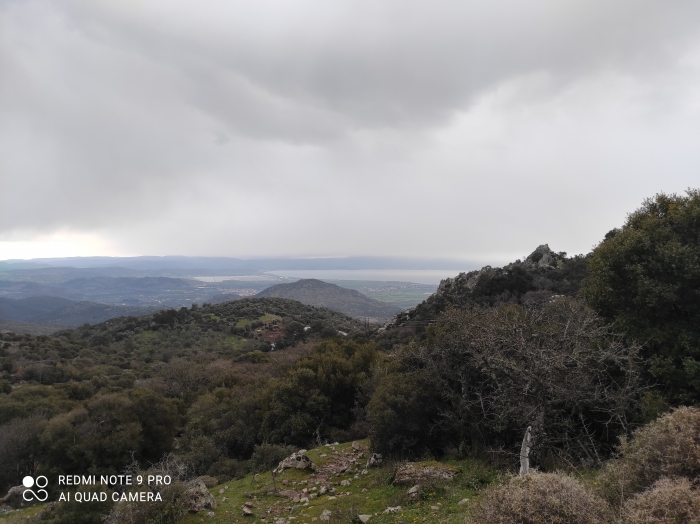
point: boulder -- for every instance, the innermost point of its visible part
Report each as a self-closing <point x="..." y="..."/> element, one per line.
<point x="14" y="497"/>
<point x="197" y="497"/>
<point x="295" y="461"/>
<point x="364" y="518"/>
<point x="411" y="473"/>
<point x="374" y="461"/>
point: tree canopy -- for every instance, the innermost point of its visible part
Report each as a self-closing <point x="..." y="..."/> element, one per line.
<point x="645" y="277"/>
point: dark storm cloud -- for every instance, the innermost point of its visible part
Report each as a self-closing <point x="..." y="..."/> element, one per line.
<point x="169" y="125"/>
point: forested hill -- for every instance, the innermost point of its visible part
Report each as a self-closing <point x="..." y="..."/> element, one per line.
<point x="259" y="320"/>
<point x="318" y="293"/>
<point x="536" y="279"/>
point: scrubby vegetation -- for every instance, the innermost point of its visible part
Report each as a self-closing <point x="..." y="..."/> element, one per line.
<point x="541" y="498"/>
<point x="601" y="381"/>
<point x="665" y="448"/>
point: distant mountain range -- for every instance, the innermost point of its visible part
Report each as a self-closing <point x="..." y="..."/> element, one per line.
<point x="223" y="265"/>
<point x="141" y="291"/>
<point x="321" y="294"/>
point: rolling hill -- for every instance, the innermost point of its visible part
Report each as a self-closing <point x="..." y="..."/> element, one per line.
<point x="321" y="294"/>
<point x="62" y="311"/>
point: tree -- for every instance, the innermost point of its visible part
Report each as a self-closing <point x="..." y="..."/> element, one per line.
<point x="19" y="449"/>
<point x="556" y="368"/>
<point x="646" y="278"/>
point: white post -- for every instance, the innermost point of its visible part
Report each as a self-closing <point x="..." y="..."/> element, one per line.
<point x="525" y="453"/>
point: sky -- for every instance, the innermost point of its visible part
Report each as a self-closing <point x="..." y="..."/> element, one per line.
<point x="464" y="130"/>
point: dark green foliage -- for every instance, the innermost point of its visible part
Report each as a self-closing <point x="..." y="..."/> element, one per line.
<point x="296" y="408"/>
<point x="20" y="449"/>
<point x="403" y="414"/>
<point x="646" y="278"/>
<point x="159" y="420"/>
<point x="483" y="376"/>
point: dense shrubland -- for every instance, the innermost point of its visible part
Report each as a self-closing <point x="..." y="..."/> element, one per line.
<point x="202" y="382"/>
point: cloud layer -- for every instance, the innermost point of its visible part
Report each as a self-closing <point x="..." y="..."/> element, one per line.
<point x="449" y="129"/>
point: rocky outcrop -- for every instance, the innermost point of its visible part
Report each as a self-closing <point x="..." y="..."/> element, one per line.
<point x="297" y="460"/>
<point x="197" y="497"/>
<point x="543" y="272"/>
<point x="412" y="473"/>
<point x="542" y="257"/>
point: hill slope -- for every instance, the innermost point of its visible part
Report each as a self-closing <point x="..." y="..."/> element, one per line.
<point x="321" y="294"/>
<point x="63" y="312"/>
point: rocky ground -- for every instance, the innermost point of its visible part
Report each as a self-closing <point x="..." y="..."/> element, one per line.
<point x="341" y="489"/>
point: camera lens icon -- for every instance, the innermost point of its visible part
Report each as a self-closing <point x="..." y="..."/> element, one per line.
<point x="40" y="482"/>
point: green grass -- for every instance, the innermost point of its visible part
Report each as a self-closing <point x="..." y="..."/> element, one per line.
<point x="268" y="317"/>
<point x="379" y="493"/>
<point x="20" y="515"/>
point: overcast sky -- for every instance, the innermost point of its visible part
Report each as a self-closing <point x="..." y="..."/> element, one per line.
<point x="470" y="129"/>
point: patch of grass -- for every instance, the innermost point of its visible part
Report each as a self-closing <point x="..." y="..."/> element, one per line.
<point x="23" y="515"/>
<point x="367" y="494"/>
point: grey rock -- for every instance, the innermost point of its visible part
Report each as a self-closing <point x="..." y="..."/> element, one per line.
<point x="197" y="497"/>
<point x="295" y="461"/>
<point x="374" y="461"/>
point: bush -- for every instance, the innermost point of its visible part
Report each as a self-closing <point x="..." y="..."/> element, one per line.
<point x="667" y="501"/>
<point x="541" y="498"/>
<point x="667" y="447"/>
<point x="402" y="415"/>
<point x="170" y="510"/>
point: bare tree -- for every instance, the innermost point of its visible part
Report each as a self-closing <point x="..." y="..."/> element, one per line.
<point x="556" y="369"/>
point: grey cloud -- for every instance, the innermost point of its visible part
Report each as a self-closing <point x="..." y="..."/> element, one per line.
<point x="171" y="125"/>
<point x="377" y="64"/>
